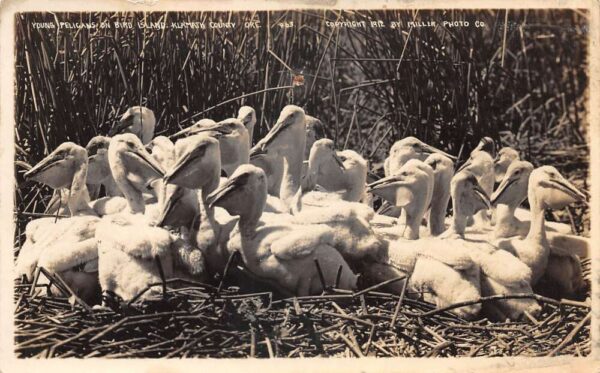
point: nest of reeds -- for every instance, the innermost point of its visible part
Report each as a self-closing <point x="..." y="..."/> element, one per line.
<point x="190" y="319"/>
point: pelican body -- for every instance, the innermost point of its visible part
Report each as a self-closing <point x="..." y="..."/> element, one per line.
<point x="277" y="253"/>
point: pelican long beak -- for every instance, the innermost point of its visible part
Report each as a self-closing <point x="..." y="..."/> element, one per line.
<point x="229" y="187"/>
<point x="503" y="187"/>
<point x="121" y="125"/>
<point x="166" y="211"/>
<point x="428" y="149"/>
<point x="45" y="164"/>
<point x="338" y="161"/>
<point x="565" y="186"/>
<point x="147" y="159"/>
<point x="257" y="151"/>
<point x="481" y="194"/>
<point x="277" y="129"/>
<point x="386" y="182"/>
<point x="183" y="132"/>
<point x="184" y="161"/>
<point x="220" y="128"/>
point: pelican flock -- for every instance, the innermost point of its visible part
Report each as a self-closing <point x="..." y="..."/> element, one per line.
<point x="133" y="208"/>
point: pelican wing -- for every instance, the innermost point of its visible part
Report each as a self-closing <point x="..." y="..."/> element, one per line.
<point x="300" y="243"/>
<point x="62" y="257"/>
<point x="503" y="267"/>
<point x="568" y="244"/>
<point x="134" y="238"/>
<point x="457" y="258"/>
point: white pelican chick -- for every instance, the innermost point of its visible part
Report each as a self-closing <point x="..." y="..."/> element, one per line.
<point x="406" y="149"/>
<point x="547" y="189"/>
<point x="137" y="120"/>
<point x="411" y="188"/>
<point x="127" y="243"/>
<point x="65" y="246"/>
<point x="443" y="170"/>
<point x="481" y="164"/>
<point x="342" y="172"/>
<point x="233" y="140"/>
<point x="286" y="140"/>
<point x="505" y="157"/>
<point x="564" y="272"/>
<point x="501" y="272"/>
<point x="278" y="253"/>
<point x="198" y="166"/>
<point x="447" y="276"/>
<point x="247" y="115"/>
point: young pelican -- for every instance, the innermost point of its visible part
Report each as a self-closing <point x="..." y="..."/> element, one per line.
<point x="481" y="164"/>
<point x="448" y="276"/>
<point x="137" y="120"/>
<point x="233" y="139"/>
<point x="344" y="172"/>
<point x="406" y="149"/>
<point x="443" y="170"/>
<point x="411" y="188"/>
<point x="127" y="243"/>
<point x="177" y="211"/>
<point x="487" y="145"/>
<point x="501" y="272"/>
<point x="286" y="140"/>
<point x="98" y="169"/>
<point x="547" y="189"/>
<point x="401" y="152"/>
<point x="278" y="253"/>
<point x="314" y="131"/>
<point x="509" y="195"/>
<point x="65" y="246"/>
<point x="247" y="115"/>
<point x="350" y="233"/>
<point x="505" y="157"/>
<point x="564" y="267"/>
<point x="198" y="166"/>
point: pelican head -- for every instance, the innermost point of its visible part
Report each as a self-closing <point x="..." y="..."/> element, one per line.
<point x="162" y="149"/>
<point x="513" y="187"/>
<point x="198" y="162"/>
<point x="137" y="120"/>
<point x="478" y="163"/>
<point x="409" y="148"/>
<point x="323" y="160"/>
<point x="467" y="195"/>
<point x="292" y="122"/>
<point x="356" y="169"/>
<point x="247" y="115"/>
<point x="98" y="167"/>
<point x="314" y="132"/>
<point x="486" y="144"/>
<point x="244" y="191"/>
<point x="439" y="163"/>
<point x="324" y="150"/>
<point x="127" y="156"/>
<point x="504" y="158"/>
<point x="552" y="189"/>
<point x="405" y="187"/>
<point x="58" y="168"/>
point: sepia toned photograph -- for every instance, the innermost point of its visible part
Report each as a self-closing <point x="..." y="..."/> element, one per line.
<point x="300" y="183"/>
